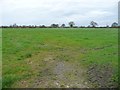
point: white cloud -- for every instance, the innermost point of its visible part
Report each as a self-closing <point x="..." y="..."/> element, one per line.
<point x="58" y="11"/>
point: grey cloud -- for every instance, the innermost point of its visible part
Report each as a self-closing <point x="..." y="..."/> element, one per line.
<point x="57" y="11"/>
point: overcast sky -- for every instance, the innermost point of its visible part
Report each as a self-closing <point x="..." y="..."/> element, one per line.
<point x="39" y="12"/>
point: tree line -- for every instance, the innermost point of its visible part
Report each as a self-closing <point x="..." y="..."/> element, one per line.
<point x="71" y="24"/>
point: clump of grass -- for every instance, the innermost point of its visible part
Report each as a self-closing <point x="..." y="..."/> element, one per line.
<point x="62" y="86"/>
<point x="114" y="78"/>
<point x="19" y="59"/>
<point x="28" y="55"/>
<point x="8" y="80"/>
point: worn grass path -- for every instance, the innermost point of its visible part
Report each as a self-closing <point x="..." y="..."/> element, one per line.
<point x="52" y="72"/>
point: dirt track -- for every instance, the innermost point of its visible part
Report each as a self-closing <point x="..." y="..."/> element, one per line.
<point x="61" y="74"/>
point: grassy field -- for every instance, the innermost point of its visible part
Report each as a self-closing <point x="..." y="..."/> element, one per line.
<point x="38" y="57"/>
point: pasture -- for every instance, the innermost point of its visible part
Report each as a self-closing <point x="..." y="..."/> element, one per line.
<point x="60" y="57"/>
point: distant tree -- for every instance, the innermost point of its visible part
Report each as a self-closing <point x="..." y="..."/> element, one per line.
<point x="63" y="25"/>
<point x="82" y="26"/>
<point x="107" y="26"/>
<point x="43" y="26"/>
<point x="14" y="25"/>
<point x="114" y="24"/>
<point x="71" y="24"/>
<point x="93" y="24"/>
<point x="54" y="25"/>
<point x="88" y="26"/>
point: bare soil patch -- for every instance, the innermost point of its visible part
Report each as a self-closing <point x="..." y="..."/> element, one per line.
<point x="61" y="74"/>
<point x="101" y="76"/>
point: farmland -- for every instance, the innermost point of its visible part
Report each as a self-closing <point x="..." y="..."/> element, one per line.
<point x="60" y="57"/>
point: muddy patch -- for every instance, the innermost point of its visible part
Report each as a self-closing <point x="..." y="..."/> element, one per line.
<point x="100" y="76"/>
<point x="61" y="68"/>
<point x="61" y="74"/>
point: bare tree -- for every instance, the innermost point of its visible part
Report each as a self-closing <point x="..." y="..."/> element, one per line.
<point x="93" y="24"/>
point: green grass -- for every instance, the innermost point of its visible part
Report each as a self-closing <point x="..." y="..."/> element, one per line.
<point x="86" y="46"/>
